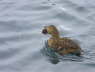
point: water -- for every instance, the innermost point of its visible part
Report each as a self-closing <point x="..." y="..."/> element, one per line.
<point x="21" y="22"/>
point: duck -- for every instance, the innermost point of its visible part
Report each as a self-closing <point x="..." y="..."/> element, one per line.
<point x="61" y="45"/>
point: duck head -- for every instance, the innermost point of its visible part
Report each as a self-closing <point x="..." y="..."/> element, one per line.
<point x="51" y="30"/>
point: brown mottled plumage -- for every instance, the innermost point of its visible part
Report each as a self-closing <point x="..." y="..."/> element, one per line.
<point x="63" y="45"/>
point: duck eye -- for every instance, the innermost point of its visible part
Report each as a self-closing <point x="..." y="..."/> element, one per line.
<point x="44" y="31"/>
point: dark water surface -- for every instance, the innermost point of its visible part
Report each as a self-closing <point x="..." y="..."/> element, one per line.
<point x="21" y="22"/>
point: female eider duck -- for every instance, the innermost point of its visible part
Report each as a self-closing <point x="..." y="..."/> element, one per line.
<point x="62" y="46"/>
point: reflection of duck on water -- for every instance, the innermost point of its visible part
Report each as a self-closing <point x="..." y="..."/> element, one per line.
<point x="62" y="46"/>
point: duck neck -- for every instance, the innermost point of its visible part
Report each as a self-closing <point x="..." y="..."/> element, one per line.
<point x="55" y="36"/>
